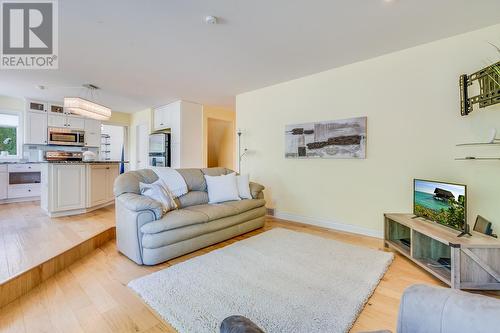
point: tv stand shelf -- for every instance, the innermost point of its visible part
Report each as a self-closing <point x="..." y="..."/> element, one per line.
<point x="475" y="260"/>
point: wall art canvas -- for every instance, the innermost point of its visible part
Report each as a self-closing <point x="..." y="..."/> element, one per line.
<point x="344" y="138"/>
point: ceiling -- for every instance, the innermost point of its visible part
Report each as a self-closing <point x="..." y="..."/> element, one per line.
<point x="148" y="53"/>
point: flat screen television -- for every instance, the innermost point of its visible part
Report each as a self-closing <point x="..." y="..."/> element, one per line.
<point x="444" y="203"/>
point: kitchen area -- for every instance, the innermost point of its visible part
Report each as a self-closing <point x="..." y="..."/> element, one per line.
<point x="62" y="164"/>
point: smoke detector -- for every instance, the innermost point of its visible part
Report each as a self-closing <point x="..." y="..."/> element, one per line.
<point x="211" y="19"/>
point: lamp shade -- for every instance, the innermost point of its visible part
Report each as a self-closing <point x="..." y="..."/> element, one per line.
<point x="86" y="108"/>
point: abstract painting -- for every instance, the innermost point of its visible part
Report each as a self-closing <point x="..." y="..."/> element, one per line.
<point x="344" y="138"/>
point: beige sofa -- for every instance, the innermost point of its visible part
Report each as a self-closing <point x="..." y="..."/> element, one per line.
<point x="147" y="238"/>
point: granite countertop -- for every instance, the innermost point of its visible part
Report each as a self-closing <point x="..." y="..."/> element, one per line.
<point x="19" y="162"/>
<point x="63" y="162"/>
<point x="84" y="162"/>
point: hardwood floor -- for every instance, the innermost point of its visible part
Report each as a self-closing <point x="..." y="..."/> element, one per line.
<point x="28" y="237"/>
<point x="91" y="295"/>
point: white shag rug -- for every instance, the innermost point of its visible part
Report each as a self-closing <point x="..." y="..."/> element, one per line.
<point x="284" y="281"/>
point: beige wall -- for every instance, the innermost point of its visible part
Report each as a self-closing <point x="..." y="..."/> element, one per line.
<point x="119" y="118"/>
<point x="411" y="99"/>
<point x="226" y="150"/>
<point x="11" y="103"/>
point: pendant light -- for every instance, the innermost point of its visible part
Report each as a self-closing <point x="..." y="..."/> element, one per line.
<point x="87" y="108"/>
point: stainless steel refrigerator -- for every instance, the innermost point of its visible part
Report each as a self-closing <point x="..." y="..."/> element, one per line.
<point x="159" y="150"/>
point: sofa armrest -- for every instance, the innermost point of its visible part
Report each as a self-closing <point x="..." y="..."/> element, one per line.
<point x="138" y="203"/>
<point x="132" y="211"/>
<point x="256" y="190"/>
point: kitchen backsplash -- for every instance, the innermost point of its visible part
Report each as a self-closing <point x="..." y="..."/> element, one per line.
<point x="34" y="153"/>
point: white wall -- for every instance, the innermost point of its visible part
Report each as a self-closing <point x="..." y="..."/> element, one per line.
<point x="411" y="99"/>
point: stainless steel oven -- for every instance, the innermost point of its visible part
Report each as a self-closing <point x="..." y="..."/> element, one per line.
<point x="66" y="137"/>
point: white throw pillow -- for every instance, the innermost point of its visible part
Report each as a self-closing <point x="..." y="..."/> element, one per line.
<point x="243" y="182"/>
<point x="222" y="188"/>
<point x="159" y="192"/>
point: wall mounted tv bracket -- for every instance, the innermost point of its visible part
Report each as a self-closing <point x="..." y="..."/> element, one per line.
<point x="487" y="82"/>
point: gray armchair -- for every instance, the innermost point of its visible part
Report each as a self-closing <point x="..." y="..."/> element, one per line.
<point x="423" y="309"/>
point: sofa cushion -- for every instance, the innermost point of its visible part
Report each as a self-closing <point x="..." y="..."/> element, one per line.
<point x="194" y="179"/>
<point x="245" y="205"/>
<point x="193" y="198"/>
<point x="222" y="188"/>
<point x="214" y="211"/>
<point x="215" y="171"/>
<point x="174" y="219"/>
<point x="129" y="181"/>
<point x="153" y="241"/>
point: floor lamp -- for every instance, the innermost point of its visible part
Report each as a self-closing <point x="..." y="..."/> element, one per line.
<point x="240" y="154"/>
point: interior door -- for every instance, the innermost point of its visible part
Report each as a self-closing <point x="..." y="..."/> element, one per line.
<point x="142" y="146"/>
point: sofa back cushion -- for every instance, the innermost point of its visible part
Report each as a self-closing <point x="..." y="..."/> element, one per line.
<point x="194" y="179"/>
<point x="129" y="181"/>
<point x="192" y="198"/>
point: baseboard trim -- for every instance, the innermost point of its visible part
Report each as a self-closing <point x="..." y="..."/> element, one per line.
<point x="329" y="224"/>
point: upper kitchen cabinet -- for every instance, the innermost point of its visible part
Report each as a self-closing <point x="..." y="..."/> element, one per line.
<point x="75" y="122"/>
<point x="185" y="122"/>
<point x="65" y="121"/>
<point x="35" y="129"/>
<point x="92" y="133"/>
<point x="162" y="116"/>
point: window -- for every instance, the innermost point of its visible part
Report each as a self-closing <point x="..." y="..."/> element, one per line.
<point x="9" y="135"/>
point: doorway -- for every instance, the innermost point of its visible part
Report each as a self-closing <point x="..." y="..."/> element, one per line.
<point x="114" y="143"/>
<point x="220" y="143"/>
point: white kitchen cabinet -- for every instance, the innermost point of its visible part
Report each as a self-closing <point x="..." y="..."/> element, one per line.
<point x="76" y="188"/>
<point x="96" y="184"/>
<point x="35" y="129"/>
<point x="164" y="116"/>
<point x="113" y="171"/>
<point x="4" y="181"/>
<point x="92" y="133"/>
<point x="67" y="187"/>
<point x="100" y="181"/>
<point x="75" y="122"/>
<point x="64" y="121"/>
<point x="185" y="121"/>
<point x="56" y="120"/>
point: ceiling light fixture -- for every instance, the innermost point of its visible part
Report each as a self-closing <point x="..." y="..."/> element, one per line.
<point x="86" y="107"/>
<point x="211" y="19"/>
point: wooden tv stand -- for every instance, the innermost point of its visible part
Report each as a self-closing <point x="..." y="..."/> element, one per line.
<point x="475" y="260"/>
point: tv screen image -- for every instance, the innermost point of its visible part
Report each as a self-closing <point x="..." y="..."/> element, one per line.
<point x="443" y="203"/>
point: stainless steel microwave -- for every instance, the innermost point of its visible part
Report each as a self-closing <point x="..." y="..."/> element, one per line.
<point x="66" y="137"/>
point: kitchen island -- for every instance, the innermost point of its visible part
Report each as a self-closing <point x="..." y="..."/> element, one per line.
<point x="76" y="187"/>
